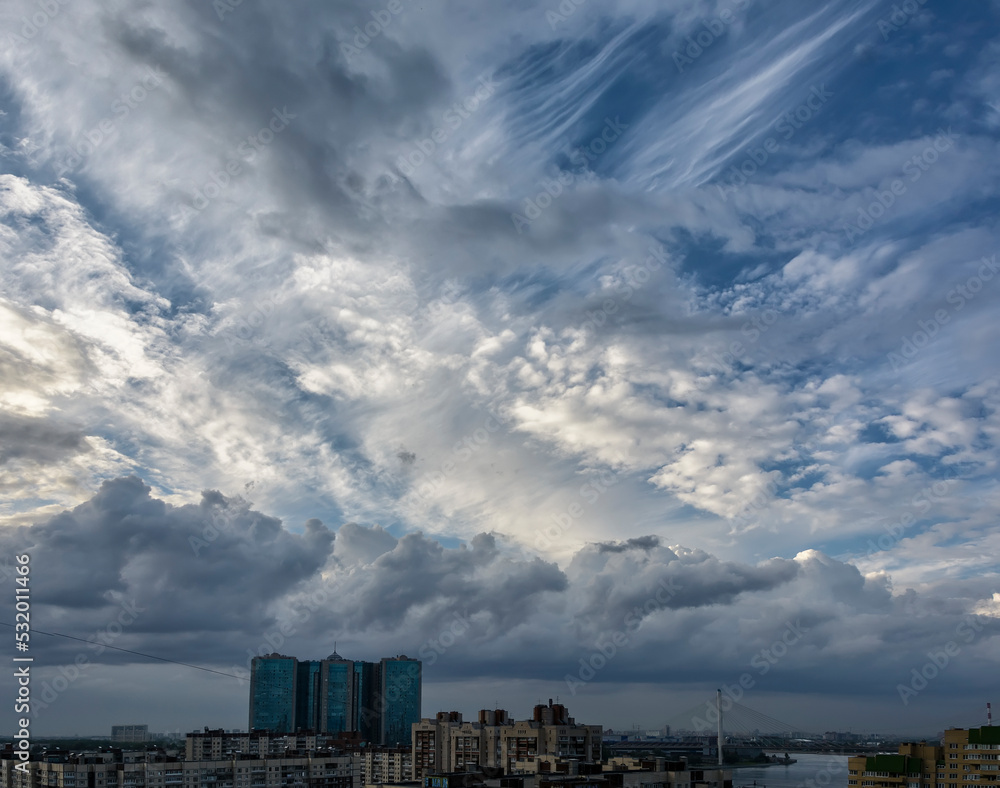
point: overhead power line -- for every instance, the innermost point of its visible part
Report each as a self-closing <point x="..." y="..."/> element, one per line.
<point x="130" y="651"/>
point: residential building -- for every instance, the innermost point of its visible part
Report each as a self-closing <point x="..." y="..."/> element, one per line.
<point x="975" y="754"/>
<point x="129" y="733"/>
<point x="379" y="766"/>
<point x="116" y="769"/>
<point x="915" y="766"/>
<point x="968" y="758"/>
<point x="219" y="744"/>
<point x="447" y="744"/>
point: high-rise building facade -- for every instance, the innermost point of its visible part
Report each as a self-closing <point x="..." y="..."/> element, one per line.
<point x="338" y="702"/>
<point x="378" y="700"/>
<point x="399" y="701"/>
<point x="307" y="678"/>
<point x="273" y="682"/>
<point x="367" y="689"/>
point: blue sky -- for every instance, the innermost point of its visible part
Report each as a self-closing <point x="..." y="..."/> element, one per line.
<point x="512" y="313"/>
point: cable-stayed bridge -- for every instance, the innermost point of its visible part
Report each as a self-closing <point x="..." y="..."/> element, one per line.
<point x="746" y="732"/>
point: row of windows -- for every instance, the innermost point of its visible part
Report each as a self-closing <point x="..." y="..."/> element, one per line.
<point x="940" y="777"/>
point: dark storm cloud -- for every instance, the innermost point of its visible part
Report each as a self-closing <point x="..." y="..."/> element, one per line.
<point x="124" y="543"/>
<point x="478" y="579"/>
<point x="620" y="578"/>
<point x="639" y="543"/>
<point x="39" y="440"/>
<point x="318" y="164"/>
<point x="215" y="582"/>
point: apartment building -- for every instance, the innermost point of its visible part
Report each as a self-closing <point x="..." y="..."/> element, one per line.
<point x="218" y="744"/>
<point x="377" y="766"/>
<point x="447" y="744"/>
<point x="976" y="755"/>
<point x="152" y="770"/>
<point x="967" y="758"/>
<point x="130" y="733"/>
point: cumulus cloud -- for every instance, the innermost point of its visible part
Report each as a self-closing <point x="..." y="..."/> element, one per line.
<point x="302" y="278"/>
<point x="225" y="572"/>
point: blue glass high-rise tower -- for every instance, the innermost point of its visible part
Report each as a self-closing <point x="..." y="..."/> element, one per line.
<point x="307" y="695"/>
<point x="367" y="688"/>
<point x="399" y="701"/>
<point x="379" y="700"/>
<point x="272" y="693"/>
<point x="337" y="697"/>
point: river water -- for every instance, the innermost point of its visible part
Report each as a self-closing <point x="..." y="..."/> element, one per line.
<point x="810" y="771"/>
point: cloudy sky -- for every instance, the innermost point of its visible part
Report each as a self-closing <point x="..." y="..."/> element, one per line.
<point x="484" y="332"/>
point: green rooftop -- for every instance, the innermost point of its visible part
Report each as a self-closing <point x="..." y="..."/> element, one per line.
<point x="894" y="764"/>
<point x="988" y="734"/>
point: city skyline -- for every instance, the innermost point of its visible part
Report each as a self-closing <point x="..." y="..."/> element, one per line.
<point x="613" y="352"/>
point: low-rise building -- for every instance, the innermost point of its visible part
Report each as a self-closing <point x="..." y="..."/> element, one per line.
<point x="215" y="744"/>
<point x="115" y="769"/>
